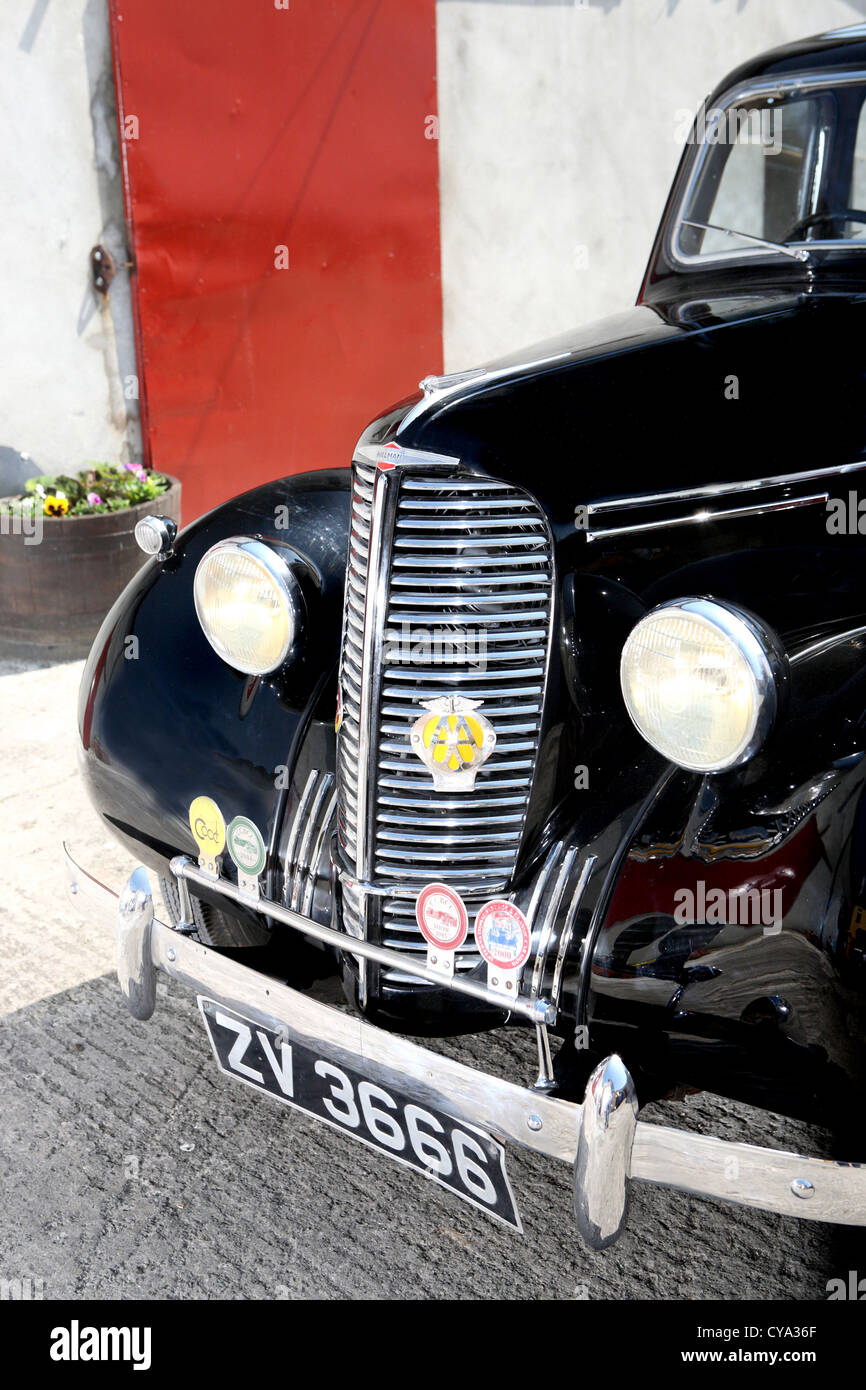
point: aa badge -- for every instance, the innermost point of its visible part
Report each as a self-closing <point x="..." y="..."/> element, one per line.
<point x="453" y="740"/>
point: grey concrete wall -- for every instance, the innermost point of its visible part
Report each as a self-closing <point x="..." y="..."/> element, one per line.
<point x="559" y="132"/>
<point x="64" y="355"/>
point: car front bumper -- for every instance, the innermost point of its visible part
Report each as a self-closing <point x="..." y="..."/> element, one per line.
<point x="602" y="1139"/>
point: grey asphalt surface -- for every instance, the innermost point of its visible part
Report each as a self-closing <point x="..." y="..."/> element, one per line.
<point x="131" y="1168"/>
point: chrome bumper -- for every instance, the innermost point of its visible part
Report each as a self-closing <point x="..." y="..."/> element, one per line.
<point x="602" y="1139"/>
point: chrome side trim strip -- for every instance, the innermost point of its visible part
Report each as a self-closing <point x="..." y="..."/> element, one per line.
<point x="305" y="860"/>
<point x="826" y="643"/>
<point x="301" y="813"/>
<point x="568" y="926"/>
<point x="327" y="826"/>
<point x="693" y="494"/>
<point x="551" y="913"/>
<point x="727" y="514"/>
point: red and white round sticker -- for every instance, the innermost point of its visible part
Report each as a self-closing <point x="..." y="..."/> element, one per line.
<point x="502" y="935"/>
<point x="442" y="917"/>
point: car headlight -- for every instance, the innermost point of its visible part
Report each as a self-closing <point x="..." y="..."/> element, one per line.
<point x="249" y="604"/>
<point x="701" y="682"/>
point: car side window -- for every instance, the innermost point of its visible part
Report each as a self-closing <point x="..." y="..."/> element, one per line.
<point x="857" y="198"/>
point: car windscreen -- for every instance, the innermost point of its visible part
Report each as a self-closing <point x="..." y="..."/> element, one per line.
<point x="783" y="170"/>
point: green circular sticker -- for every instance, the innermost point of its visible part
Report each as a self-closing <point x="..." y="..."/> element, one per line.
<point x="246" y="846"/>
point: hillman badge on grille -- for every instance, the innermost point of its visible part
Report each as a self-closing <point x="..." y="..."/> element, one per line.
<point x="632" y="525"/>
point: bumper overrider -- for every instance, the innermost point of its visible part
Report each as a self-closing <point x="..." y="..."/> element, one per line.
<point x="602" y="1139"/>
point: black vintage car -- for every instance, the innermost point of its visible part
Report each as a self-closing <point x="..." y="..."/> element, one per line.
<point x="592" y="622"/>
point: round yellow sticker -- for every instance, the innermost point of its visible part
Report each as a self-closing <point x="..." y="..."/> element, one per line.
<point x="207" y="825"/>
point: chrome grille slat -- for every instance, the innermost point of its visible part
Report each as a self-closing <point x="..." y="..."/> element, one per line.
<point x="411" y="484"/>
<point x="386" y="851"/>
<point x="505" y="782"/>
<point x="468" y="558"/>
<point x="450" y="677"/>
<point x="406" y="935"/>
<point x="416" y="505"/>
<point x="474" y="562"/>
<point x="408" y="837"/>
<point x="512" y="729"/>
<point x="511" y="765"/>
<point x="471" y="581"/>
<point x="459" y="544"/>
<point x="441" y="523"/>
<point x="388" y="818"/>
<point x="444" y="805"/>
<point x="517" y="654"/>
<point x="489" y="693"/>
<point x="455" y="630"/>
<point x="508" y="712"/>
<point x="497" y="878"/>
<point x="456" y="600"/>
<point x="502" y="746"/>
<point x="532" y="616"/>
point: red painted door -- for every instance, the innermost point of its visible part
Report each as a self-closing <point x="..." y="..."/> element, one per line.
<point x="282" y="196"/>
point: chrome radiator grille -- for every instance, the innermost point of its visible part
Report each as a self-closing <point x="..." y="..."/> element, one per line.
<point x="471" y="556"/>
<point x="351" y="660"/>
<point x="467" y="559"/>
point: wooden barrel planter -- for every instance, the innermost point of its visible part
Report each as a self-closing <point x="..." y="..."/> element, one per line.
<point x="55" y="594"/>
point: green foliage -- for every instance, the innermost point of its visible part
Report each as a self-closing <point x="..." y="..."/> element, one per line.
<point x="99" y="487"/>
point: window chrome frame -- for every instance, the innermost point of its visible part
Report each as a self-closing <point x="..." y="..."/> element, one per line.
<point x="801" y="84"/>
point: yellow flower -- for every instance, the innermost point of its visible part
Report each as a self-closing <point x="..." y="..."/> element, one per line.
<point x="55" y="506"/>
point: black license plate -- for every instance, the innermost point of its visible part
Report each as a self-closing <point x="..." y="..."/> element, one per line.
<point x="457" y="1155"/>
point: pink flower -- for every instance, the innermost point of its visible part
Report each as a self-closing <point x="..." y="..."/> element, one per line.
<point x="137" y="469"/>
<point x="94" y="500"/>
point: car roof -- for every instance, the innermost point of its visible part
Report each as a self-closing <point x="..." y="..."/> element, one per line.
<point x="840" y="48"/>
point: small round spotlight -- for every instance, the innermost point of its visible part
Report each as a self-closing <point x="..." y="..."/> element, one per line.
<point x="155" y="535"/>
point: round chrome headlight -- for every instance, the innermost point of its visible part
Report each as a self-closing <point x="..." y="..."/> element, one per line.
<point x="249" y="604"/>
<point x="701" y="682"/>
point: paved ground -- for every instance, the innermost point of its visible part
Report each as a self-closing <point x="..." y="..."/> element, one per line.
<point x="131" y="1168"/>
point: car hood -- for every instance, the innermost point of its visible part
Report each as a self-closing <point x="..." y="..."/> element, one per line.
<point x="698" y="393"/>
